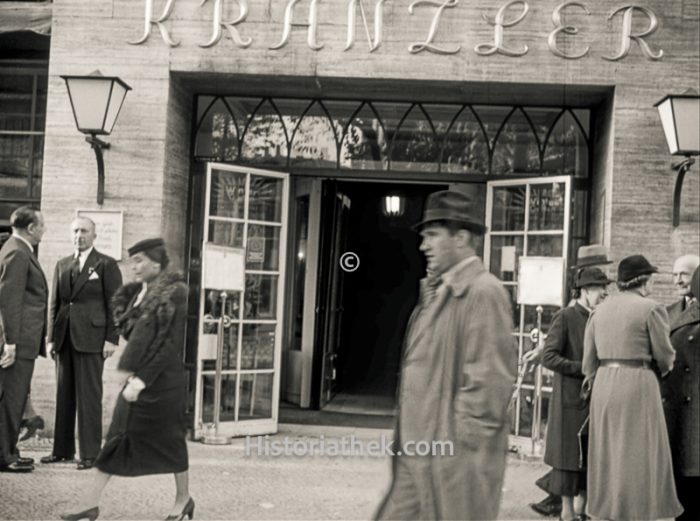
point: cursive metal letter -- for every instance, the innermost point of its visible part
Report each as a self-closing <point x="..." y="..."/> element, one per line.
<point x="378" y="24"/>
<point x="230" y="26"/>
<point x="567" y="29"/>
<point x="150" y="22"/>
<point x="289" y="22"/>
<point x="627" y="35"/>
<point x="499" y="22"/>
<point x="428" y="45"/>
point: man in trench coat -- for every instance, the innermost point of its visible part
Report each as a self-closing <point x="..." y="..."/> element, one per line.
<point x="458" y="369"/>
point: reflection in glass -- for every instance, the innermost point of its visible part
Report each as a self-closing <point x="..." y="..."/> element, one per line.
<point x="516" y="151"/>
<point x="531" y="317"/>
<point x="314" y="141"/>
<point x="364" y="144"/>
<point x="258" y="351"/>
<point x="465" y="149"/>
<point x="504" y="261"/>
<point x="545" y="246"/>
<point x="212" y="303"/>
<point x="227" y="197"/>
<point x="15" y="152"/>
<point x="547" y="204"/>
<point x="414" y="146"/>
<point x="543" y="119"/>
<point x="218" y="136"/>
<point x="256" y="396"/>
<point x="513" y="294"/>
<point x="508" y="212"/>
<point x="566" y="152"/>
<point x="265" y="202"/>
<point x="265" y="139"/>
<point x="302" y="236"/>
<point x="260" y="297"/>
<point x="262" y="252"/>
<point x="225" y="233"/>
<point x="228" y="398"/>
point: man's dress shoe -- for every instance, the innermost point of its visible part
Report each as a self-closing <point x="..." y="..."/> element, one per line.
<point x="17" y="467"/>
<point x="55" y="459"/>
<point x="85" y="464"/>
<point x="25" y="461"/>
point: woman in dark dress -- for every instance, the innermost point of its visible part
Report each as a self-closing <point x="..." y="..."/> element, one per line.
<point x="148" y="430"/>
<point x="563" y="353"/>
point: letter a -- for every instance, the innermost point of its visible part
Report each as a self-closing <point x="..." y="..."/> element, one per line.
<point x="289" y="21"/>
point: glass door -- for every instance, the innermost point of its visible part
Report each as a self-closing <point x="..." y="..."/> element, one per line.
<point x="527" y="217"/>
<point x="245" y="218"/>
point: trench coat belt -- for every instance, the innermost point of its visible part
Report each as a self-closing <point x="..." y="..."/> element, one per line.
<point x="623" y="362"/>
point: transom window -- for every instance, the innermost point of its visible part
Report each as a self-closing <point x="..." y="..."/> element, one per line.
<point x="467" y="139"/>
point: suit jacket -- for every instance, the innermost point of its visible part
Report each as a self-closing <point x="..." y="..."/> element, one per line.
<point x="84" y="311"/>
<point x="23" y="299"/>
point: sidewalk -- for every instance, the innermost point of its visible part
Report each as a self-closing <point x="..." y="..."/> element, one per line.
<point x="227" y="484"/>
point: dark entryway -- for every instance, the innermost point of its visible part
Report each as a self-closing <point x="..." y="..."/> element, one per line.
<point x="370" y="306"/>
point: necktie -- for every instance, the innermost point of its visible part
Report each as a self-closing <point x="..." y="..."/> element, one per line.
<point x="74" y="270"/>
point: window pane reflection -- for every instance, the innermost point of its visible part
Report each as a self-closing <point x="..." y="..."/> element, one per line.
<point x="547" y="207"/>
<point x="260" y="296"/>
<point x="258" y="346"/>
<point x="508" y="212"/>
<point x="505" y="252"/>
<point x="256" y="396"/>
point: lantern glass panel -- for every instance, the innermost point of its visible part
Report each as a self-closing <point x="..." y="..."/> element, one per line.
<point x="687" y="112"/>
<point x="90" y="99"/>
<point x="115" y="104"/>
<point x="669" y="126"/>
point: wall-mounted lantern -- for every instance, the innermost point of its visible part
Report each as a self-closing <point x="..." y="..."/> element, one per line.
<point x="96" y="101"/>
<point x="680" y="118"/>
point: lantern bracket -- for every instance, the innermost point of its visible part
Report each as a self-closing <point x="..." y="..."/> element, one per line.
<point x="681" y="169"/>
<point x="98" y="145"/>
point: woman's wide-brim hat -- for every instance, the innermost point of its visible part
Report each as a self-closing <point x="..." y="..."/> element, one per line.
<point x="146" y="245"/>
<point x="634" y="266"/>
<point x="591" y="277"/>
<point x="452" y="206"/>
<point x="592" y="255"/>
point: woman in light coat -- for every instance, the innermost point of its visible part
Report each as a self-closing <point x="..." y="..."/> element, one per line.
<point x="630" y="475"/>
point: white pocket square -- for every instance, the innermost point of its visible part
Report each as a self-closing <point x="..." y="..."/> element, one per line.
<point x="93" y="276"/>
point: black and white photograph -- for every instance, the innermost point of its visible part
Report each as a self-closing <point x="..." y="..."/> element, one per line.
<point x="350" y="260"/>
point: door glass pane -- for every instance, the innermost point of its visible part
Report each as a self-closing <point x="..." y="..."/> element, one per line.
<point x="228" y="398"/>
<point x="226" y="233"/>
<point x="531" y="317"/>
<point x="508" y="212"/>
<point x="545" y="245"/>
<point x="230" y="349"/>
<point x="513" y="294"/>
<point x="265" y="202"/>
<point x="258" y="346"/>
<point x="547" y="206"/>
<point x="227" y="196"/>
<point x="505" y="252"/>
<point x="256" y="396"/>
<point x="212" y="303"/>
<point x="260" y="296"/>
<point x="302" y="236"/>
<point x="263" y="248"/>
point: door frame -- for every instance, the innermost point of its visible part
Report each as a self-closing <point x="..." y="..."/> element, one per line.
<point x="528" y="182"/>
<point x="266" y="425"/>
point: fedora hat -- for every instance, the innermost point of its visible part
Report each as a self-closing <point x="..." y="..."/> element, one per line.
<point x="592" y="255"/>
<point x="591" y="277"/>
<point x="634" y="266"/>
<point x="449" y="205"/>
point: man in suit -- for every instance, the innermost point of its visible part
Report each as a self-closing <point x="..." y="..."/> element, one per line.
<point x="683" y="270"/>
<point x="23" y="299"/>
<point x="81" y="335"/>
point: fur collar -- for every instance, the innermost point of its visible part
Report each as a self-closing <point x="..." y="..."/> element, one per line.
<point x="160" y="291"/>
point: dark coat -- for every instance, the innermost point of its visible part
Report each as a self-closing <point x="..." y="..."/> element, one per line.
<point x="563" y="353"/>
<point x="23" y="299"/>
<point x="155" y="331"/>
<point x="680" y="391"/>
<point x="675" y="310"/>
<point x="86" y="309"/>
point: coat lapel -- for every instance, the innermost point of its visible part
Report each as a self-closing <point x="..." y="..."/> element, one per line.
<point x="90" y="262"/>
<point x="691" y="315"/>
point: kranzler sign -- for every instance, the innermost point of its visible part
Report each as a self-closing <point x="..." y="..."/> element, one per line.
<point x="633" y="24"/>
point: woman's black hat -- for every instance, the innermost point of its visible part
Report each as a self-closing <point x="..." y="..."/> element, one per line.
<point x="591" y="277"/>
<point x="634" y="266"/>
<point x="145" y="245"/>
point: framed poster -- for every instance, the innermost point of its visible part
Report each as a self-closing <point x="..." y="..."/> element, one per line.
<point x="109" y="228"/>
<point x="541" y="281"/>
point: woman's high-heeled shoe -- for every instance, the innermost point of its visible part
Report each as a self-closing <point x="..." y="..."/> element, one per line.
<point x="187" y="511"/>
<point x="90" y="513"/>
